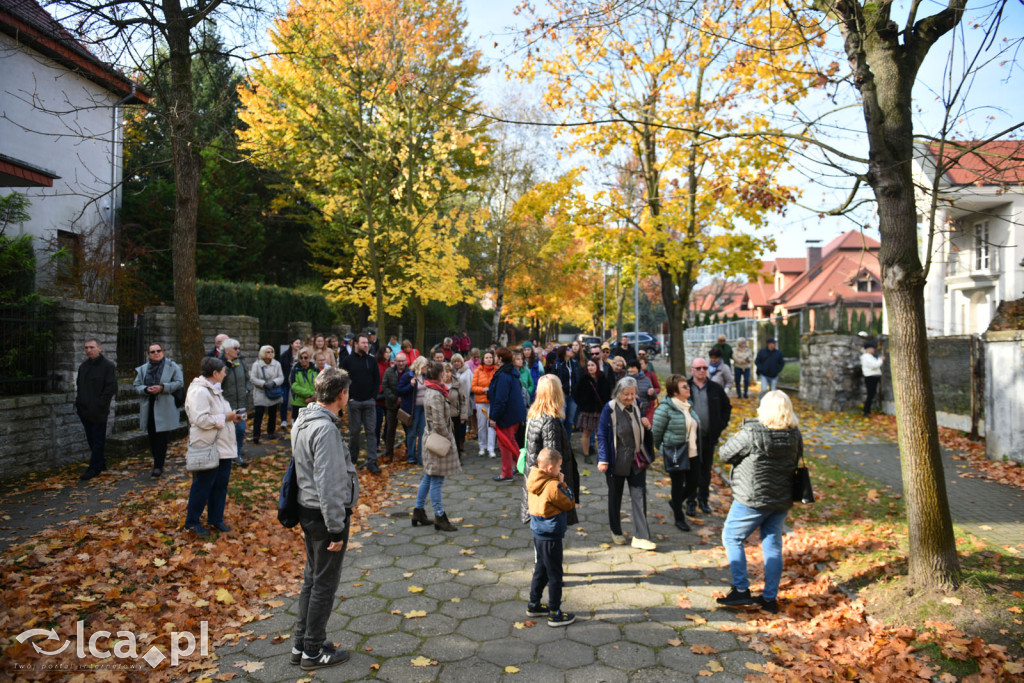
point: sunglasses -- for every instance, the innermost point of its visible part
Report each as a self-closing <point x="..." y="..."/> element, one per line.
<point x="157" y="351"/>
<point x="699" y="367"/>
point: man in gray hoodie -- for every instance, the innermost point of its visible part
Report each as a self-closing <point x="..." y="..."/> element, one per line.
<point x="328" y="490"/>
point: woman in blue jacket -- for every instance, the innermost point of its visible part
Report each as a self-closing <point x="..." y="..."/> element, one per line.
<point x="508" y="410"/>
<point x="625" y="448"/>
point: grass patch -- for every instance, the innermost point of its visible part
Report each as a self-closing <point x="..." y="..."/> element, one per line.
<point x="790" y="375"/>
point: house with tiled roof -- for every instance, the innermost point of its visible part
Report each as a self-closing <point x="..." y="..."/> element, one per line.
<point x="977" y="245"/>
<point x="60" y="128"/>
<point x="846" y="269"/>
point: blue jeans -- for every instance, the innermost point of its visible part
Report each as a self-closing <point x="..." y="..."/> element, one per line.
<point x="570" y="414"/>
<point x="434" y="484"/>
<point x="285" y="404"/>
<point x="768" y="384"/>
<point x="209" y="490"/>
<point x="240" y="436"/>
<point x="742" y="376"/>
<point x="739" y="524"/>
<point x="414" y="437"/>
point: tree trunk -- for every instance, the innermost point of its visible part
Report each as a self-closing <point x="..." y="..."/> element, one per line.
<point x="462" y="320"/>
<point x="187" y="168"/>
<point x="885" y="71"/>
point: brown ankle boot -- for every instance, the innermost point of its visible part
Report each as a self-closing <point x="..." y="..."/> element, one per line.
<point x="419" y="517"/>
<point x="442" y="524"/>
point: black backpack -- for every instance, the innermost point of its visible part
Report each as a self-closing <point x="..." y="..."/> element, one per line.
<point x="288" y="501"/>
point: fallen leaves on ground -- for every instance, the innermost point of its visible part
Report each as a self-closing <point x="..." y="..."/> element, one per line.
<point x="133" y="567"/>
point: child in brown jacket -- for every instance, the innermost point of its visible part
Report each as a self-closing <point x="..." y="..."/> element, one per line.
<point x="549" y="500"/>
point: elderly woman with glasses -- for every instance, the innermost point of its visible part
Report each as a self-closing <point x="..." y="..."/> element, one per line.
<point x="625" y="449"/>
<point x="267" y="377"/>
<point x="156" y="382"/>
<point x="303" y="375"/>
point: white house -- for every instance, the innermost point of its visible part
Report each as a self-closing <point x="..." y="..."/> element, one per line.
<point x="978" y="244"/>
<point x="60" y="129"/>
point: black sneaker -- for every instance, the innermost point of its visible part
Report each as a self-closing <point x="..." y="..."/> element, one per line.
<point x="89" y="474"/>
<point x="691" y="508"/>
<point x="329" y="656"/>
<point x="560" y="618"/>
<point x="372" y="468"/>
<point x="770" y="606"/>
<point x="296" y="658"/>
<point x="501" y="478"/>
<point x="536" y="609"/>
<point x="705" y="507"/>
<point x="738" y="598"/>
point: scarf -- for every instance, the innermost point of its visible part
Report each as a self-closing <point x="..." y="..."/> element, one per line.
<point x="154" y="371"/>
<point x="713" y="368"/>
<point x="437" y="386"/>
<point x="692" y="426"/>
<point x="634" y="419"/>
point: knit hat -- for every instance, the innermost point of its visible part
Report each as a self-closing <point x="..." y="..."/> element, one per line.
<point x="771" y="340"/>
<point x="527" y="344"/>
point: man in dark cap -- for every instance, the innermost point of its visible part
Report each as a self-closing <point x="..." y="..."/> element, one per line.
<point x="769" y="363"/>
<point x="374" y="346"/>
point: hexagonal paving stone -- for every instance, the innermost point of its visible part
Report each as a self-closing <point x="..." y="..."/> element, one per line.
<point x="507" y="652"/>
<point x="594" y="633"/>
<point x="418" y="561"/>
<point x="659" y="674"/>
<point x="401" y="670"/>
<point x="596" y="674"/>
<point x="465" y="608"/>
<point x="470" y="670"/>
<point x="484" y="628"/>
<point x="364" y="604"/>
<point x="565" y="655"/>
<point x="495" y="593"/>
<point x="639" y="597"/>
<point x="535" y="672"/>
<point x="447" y="590"/>
<point x="449" y="648"/>
<point x="430" y="625"/>
<point x="628" y="656"/>
<point x="649" y="633"/>
<point x="477" y="577"/>
<point x="375" y="623"/>
<point x="393" y="644"/>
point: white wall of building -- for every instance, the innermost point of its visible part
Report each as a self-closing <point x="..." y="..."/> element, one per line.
<point x="57" y="120"/>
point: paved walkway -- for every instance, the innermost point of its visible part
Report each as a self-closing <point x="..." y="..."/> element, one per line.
<point x="994" y="512"/>
<point x="475" y="584"/>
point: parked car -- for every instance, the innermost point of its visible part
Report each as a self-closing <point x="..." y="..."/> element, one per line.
<point x="647" y="342"/>
<point x="589" y="340"/>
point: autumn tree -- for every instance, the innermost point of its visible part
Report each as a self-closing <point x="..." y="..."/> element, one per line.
<point x="666" y="81"/>
<point x="363" y="108"/>
<point x="131" y="32"/>
<point x="885" y="58"/>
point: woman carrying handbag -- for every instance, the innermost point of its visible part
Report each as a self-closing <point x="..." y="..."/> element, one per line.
<point x="676" y="434"/>
<point x="440" y="455"/>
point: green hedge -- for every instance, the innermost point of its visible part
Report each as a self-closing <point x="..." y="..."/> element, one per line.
<point x="274" y="306"/>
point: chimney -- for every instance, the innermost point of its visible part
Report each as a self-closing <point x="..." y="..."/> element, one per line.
<point x="813" y="253"/>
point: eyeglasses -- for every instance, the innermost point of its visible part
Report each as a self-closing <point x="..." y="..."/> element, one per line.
<point x="695" y="368"/>
<point x="303" y="357"/>
<point x="157" y="351"/>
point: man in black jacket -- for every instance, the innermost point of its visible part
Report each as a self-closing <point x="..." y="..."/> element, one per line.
<point x="392" y="402"/>
<point x="362" y="368"/>
<point x="769" y="363"/>
<point x="97" y="384"/>
<point x="712" y="406"/>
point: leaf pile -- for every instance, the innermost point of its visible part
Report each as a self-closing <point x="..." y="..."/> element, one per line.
<point x="133" y="568"/>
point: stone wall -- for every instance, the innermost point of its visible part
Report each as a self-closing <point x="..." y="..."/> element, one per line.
<point x="1004" y="376"/>
<point x="830" y="377"/>
<point x="43" y="431"/>
<point x="161" y="326"/>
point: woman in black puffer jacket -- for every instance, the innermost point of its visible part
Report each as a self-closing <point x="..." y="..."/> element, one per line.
<point x="544" y="429"/>
<point x="764" y="455"/>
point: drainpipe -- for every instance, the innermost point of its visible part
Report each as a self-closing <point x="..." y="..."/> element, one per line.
<point x="113" y="173"/>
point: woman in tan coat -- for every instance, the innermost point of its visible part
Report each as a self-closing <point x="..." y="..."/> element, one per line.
<point x="437" y="464"/>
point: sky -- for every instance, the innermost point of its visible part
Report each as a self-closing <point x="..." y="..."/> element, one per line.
<point x="994" y="105"/>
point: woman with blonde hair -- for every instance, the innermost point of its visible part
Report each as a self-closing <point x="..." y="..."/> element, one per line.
<point x="763" y="455"/>
<point x="268" y="379"/>
<point x="544" y="429"/>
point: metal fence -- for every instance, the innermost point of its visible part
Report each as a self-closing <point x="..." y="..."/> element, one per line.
<point x="131" y="342"/>
<point x="733" y="330"/>
<point x="27" y="350"/>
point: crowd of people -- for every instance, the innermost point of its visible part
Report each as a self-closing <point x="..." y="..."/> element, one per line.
<point x="520" y="405"/>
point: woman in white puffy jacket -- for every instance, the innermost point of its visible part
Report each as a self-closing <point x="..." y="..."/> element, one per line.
<point x="211" y="421"/>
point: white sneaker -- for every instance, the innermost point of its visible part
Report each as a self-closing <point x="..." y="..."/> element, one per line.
<point x="492" y="454"/>
<point x="644" y="544"/>
<point x="619" y="539"/>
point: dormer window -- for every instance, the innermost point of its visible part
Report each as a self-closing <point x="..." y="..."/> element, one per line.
<point x="865" y="284"/>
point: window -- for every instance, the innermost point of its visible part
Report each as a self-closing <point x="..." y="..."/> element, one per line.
<point x="981" y="246"/>
<point x="69" y="245"/>
<point x="865" y="284"/>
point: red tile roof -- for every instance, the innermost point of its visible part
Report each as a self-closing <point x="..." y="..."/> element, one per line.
<point x="791" y="265"/>
<point x="993" y="163"/>
<point x="836" y="275"/>
<point x="852" y="240"/>
<point x="29" y="24"/>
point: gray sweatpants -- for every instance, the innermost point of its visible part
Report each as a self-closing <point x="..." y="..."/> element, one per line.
<point x="363" y="415"/>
